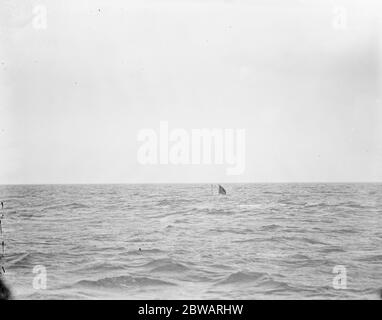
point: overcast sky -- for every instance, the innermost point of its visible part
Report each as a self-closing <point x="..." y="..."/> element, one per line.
<point x="74" y="95"/>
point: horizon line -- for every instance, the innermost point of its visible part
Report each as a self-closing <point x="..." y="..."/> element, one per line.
<point x="138" y="183"/>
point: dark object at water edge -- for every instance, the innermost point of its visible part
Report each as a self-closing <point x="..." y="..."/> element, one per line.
<point x="5" y="293"/>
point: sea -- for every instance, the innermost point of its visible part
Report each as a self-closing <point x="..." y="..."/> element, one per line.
<point x="185" y="241"/>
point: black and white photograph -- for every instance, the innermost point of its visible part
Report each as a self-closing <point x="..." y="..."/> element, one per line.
<point x="155" y="150"/>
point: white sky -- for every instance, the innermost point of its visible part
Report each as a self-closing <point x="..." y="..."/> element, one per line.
<point x="74" y="96"/>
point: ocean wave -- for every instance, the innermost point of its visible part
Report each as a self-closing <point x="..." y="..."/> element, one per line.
<point x="270" y="227"/>
<point x="271" y="286"/>
<point x="72" y="205"/>
<point x="99" y="266"/>
<point x="138" y="252"/>
<point x="340" y="231"/>
<point x="356" y="205"/>
<point x="175" y="202"/>
<point x="165" y="202"/>
<point x="251" y="206"/>
<point x="299" y="256"/>
<point x="243" y="277"/>
<point x="265" y="282"/>
<point x="220" y="212"/>
<point x="155" y="251"/>
<point x="349" y="204"/>
<point x="11" y="212"/>
<point x="332" y="250"/>
<point x="307" y="263"/>
<point x="17" y="260"/>
<point x="123" y="281"/>
<point x="372" y="258"/>
<point x="252" y="240"/>
<point x="296" y="238"/>
<point x="165" y="265"/>
<point x="240" y="231"/>
<point x="313" y="241"/>
<point x="316" y="205"/>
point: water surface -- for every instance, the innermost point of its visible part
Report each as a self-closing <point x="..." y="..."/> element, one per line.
<point x="261" y="241"/>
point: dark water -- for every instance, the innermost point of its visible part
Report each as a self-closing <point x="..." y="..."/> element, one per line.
<point x="261" y="241"/>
